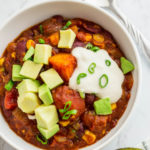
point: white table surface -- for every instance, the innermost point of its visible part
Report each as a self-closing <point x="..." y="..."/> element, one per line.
<point x="138" y="127"/>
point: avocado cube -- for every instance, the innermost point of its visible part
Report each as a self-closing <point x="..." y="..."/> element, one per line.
<point x="46" y="116"/>
<point x="28" y="85"/>
<point x="45" y="94"/>
<point x="30" y="69"/>
<point x="49" y="133"/>
<point x="42" y="53"/>
<point x="29" y="54"/>
<point x="28" y="102"/>
<point x="67" y="38"/>
<point x="126" y="65"/>
<point x="103" y="107"/>
<point x="51" y="78"/>
<point x="16" y="73"/>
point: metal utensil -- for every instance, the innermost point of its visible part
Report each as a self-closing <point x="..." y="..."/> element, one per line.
<point x="141" y="41"/>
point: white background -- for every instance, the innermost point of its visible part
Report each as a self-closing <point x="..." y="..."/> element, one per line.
<point x="138" y="127"/>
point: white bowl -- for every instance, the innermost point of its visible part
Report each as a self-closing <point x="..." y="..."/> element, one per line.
<point x="39" y="12"/>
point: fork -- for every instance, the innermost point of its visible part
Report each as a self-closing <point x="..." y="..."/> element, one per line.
<point x="137" y="36"/>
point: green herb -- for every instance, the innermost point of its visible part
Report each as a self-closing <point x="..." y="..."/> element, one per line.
<point x="89" y="46"/>
<point x="92" y="48"/>
<point x="108" y="62"/>
<point x="67" y="115"/>
<point x="95" y="49"/>
<point x="81" y="75"/>
<point x="41" y="29"/>
<point x="41" y="139"/>
<point x="41" y="41"/>
<point x="91" y="68"/>
<point x="67" y="25"/>
<point x="29" y="54"/>
<point x="74" y="131"/>
<point x="82" y="94"/>
<point x="9" y="85"/>
<point x="104" y="76"/>
<point x="66" y="107"/>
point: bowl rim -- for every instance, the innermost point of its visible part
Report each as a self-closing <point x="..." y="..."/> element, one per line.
<point x="114" y="19"/>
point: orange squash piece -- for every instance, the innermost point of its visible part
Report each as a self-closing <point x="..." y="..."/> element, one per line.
<point x="74" y="29"/>
<point x="30" y="43"/>
<point x="64" y="64"/>
<point x="54" y="38"/>
<point x="84" y="37"/>
<point x="98" y="39"/>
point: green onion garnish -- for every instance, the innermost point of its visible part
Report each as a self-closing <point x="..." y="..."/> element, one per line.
<point x="66" y="107"/>
<point x="41" y="29"/>
<point x="108" y="62"/>
<point x="82" y="95"/>
<point x="74" y="131"/>
<point x="41" y="41"/>
<point x="67" y="115"/>
<point x="41" y="139"/>
<point x="28" y="54"/>
<point x="81" y="75"/>
<point x="91" y="68"/>
<point x="67" y="25"/>
<point x="9" y="85"/>
<point x="95" y="48"/>
<point x="104" y="76"/>
<point x="92" y="48"/>
<point x="89" y="46"/>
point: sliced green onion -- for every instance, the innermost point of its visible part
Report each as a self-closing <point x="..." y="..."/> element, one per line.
<point x="67" y="115"/>
<point x="41" y="41"/>
<point x="82" y="95"/>
<point x="92" y="48"/>
<point x="74" y="131"/>
<point x="91" y="68"/>
<point x="95" y="49"/>
<point x="108" y="62"/>
<point x="67" y="25"/>
<point x="89" y="46"/>
<point x="9" y="85"/>
<point x="81" y="75"/>
<point x="29" y="54"/>
<point x="66" y="107"/>
<point x="104" y="76"/>
<point x="41" y="29"/>
<point x="42" y="139"/>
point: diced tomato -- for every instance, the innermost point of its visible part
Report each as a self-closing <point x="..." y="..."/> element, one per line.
<point x="10" y="101"/>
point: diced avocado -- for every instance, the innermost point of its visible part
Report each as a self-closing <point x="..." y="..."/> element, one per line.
<point x="67" y="38"/>
<point x="30" y="69"/>
<point x="46" y="116"/>
<point x="28" y="85"/>
<point x="45" y="94"/>
<point x="51" y="78"/>
<point x="28" y="54"/>
<point x="42" y="53"/>
<point x="49" y="133"/>
<point x="103" y="107"/>
<point x="126" y="65"/>
<point x="28" y="102"/>
<point x="16" y="73"/>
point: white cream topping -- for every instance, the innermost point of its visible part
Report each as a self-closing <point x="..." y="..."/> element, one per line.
<point x="90" y="83"/>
